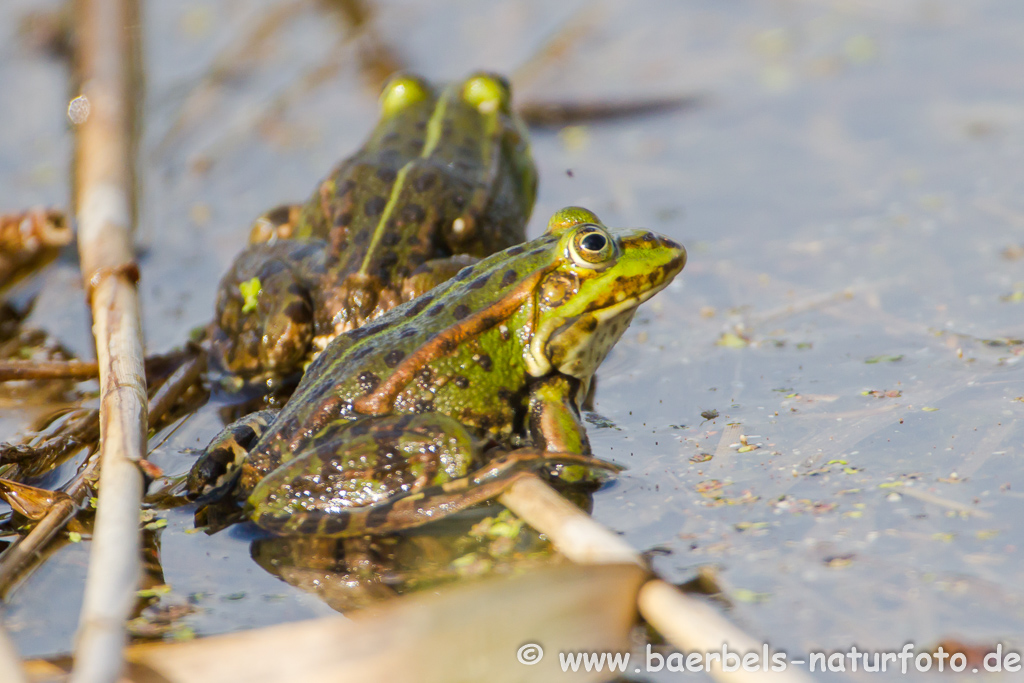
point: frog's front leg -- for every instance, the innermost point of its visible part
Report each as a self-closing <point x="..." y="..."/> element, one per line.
<point x="280" y="223"/>
<point x="265" y="308"/>
<point x="220" y="463"/>
<point x="432" y="273"/>
<point x="554" y="415"/>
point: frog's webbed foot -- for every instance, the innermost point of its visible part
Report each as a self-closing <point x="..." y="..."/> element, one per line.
<point x="265" y="308"/>
<point x="432" y="273"/>
<point x="409" y="510"/>
<point x="217" y="469"/>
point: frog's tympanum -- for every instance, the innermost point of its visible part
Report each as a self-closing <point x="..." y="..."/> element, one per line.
<point x="444" y="179"/>
<point x="443" y="401"/>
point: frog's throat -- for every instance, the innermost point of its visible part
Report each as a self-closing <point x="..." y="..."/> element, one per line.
<point x="380" y="401"/>
<point x="538" y="361"/>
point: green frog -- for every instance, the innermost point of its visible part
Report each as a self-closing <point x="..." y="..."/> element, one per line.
<point x="444" y="179"/>
<point x="445" y="400"/>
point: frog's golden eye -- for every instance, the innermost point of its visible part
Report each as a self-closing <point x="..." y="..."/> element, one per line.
<point x="592" y="247"/>
<point x="402" y="91"/>
<point x="488" y="93"/>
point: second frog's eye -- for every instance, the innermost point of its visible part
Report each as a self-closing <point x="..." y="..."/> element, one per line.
<point x="401" y="91"/>
<point x="488" y="93"/>
<point x="591" y="247"/>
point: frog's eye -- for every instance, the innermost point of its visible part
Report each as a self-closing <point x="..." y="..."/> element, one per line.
<point x="592" y="247"/>
<point x="488" y="93"/>
<point x="402" y="91"/>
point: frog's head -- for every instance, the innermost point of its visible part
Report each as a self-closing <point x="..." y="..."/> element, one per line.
<point x="587" y="298"/>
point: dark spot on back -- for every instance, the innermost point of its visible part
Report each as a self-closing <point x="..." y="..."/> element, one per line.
<point x="244" y="435"/>
<point x="423" y="406"/>
<point x="394" y="357"/>
<point x="299" y="313"/>
<point x="419" y="304"/>
<point x="509" y="278"/>
<point x="390" y="239"/>
<point x="360" y="353"/>
<point x="374" y="206"/>
<point x="413" y="213"/>
<point x="407" y="333"/>
<point x="436" y="310"/>
<point x="346" y="186"/>
<point x="484" y="361"/>
<point x="359" y="333"/>
<point x="368" y="382"/>
<point x="480" y="282"/>
<point x="424" y="182"/>
<point x="335" y="524"/>
<point x="360" y="428"/>
<point x="460" y="311"/>
<point x="460" y="381"/>
<point x="462" y="274"/>
<point x="309" y="525"/>
<point x="516" y="250"/>
<point x="387" y="174"/>
<point x="377" y="516"/>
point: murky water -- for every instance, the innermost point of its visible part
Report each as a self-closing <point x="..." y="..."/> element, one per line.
<point x="847" y="187"/>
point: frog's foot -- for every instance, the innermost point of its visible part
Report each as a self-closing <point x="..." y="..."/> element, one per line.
<point x="405" y="511"/>
<point x="265" y="309"/>
<point x="215" y="472"/>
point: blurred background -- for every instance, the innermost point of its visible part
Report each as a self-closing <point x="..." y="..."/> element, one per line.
<point x="846" y="175"/>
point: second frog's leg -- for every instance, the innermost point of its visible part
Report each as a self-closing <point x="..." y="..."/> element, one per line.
<point x="277" y="224"/>
<point x="265" y="308"/>
<point x="220" y="463"/>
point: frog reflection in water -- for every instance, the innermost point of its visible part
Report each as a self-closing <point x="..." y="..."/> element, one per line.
<point x="443" y="180"/>
<point x="446" y="400"/>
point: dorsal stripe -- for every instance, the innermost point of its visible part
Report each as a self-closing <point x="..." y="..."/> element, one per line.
<point x="434" y="129"/>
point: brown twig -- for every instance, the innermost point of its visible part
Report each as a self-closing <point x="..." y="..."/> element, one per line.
<point x="14" y="370"/>
<point x="11" y="670"/>
<point x="26" y="548"/>
<point x="686" y="622"/>
<point x="104" y="208"/>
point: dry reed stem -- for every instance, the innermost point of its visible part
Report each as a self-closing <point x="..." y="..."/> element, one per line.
<point x="11" y="370"/>
<point x="103" y="203"/>
<point x="11" y="670"/>
<point x="687" y="623"/>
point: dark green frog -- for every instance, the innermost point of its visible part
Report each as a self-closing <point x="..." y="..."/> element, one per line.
<point x="445" y="178"/>
<point x="443" y="401"/>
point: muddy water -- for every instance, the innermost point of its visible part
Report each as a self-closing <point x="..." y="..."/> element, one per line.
<point x="848" y="187"/>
